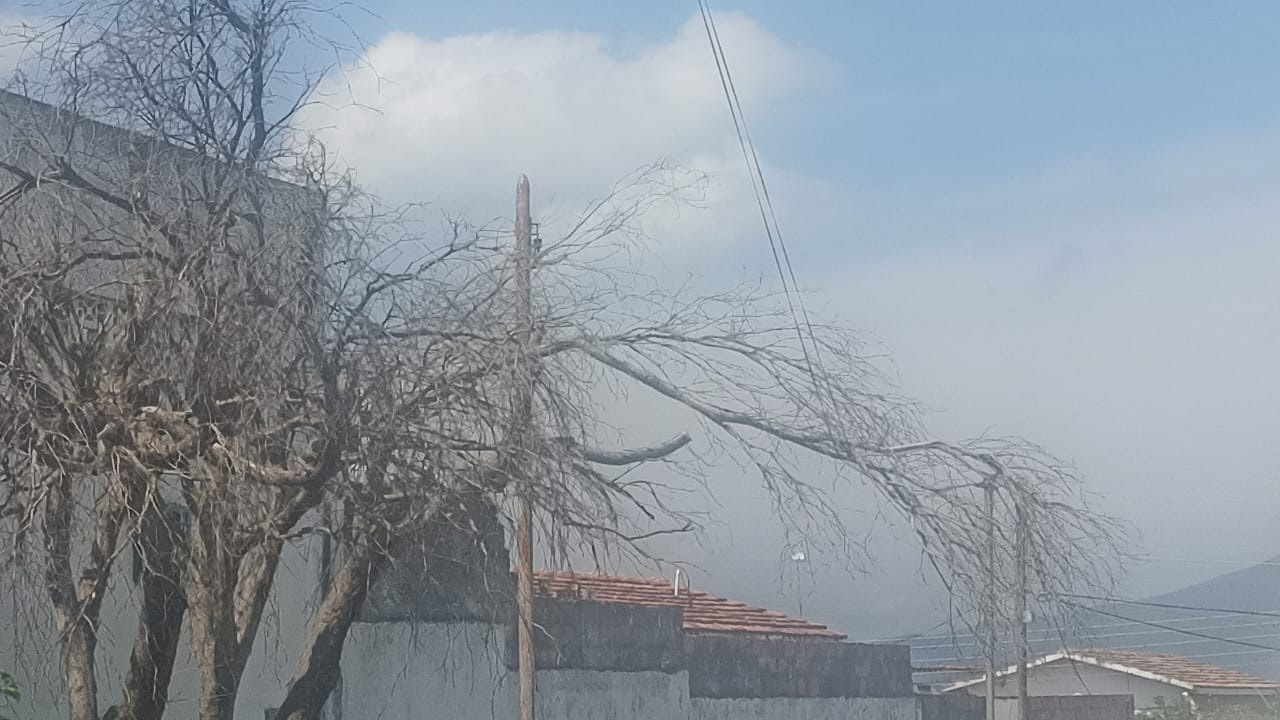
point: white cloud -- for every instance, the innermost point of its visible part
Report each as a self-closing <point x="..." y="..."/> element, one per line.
<point x="455" y="121"/>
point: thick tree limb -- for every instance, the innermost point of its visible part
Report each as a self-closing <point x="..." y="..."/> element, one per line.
<point x="619" y="458"/>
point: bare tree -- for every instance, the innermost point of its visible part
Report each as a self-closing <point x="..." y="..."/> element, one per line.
<point x="811" y="410"/>
<point x="199" y="311"/>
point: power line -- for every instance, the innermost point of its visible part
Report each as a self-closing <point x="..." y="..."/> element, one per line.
<point x="1218" y="612"/>
<point x="1171" y="606"/>
<point x="1048" y="634"/>
<point x="764" y="200"/>
<point x="1239" y="500"/>
<point x="1210" y="561"/>
<point x="922" y="634"/>
<point x="1171" y="628"/>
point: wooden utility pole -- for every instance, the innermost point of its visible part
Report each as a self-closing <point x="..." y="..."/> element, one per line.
<point x="1021" y="607"/>
<point x="990" y="491"/>
<point x="521" y="428"/>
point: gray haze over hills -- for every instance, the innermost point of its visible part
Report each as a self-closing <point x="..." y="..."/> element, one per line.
<point x="1232" y="620"/>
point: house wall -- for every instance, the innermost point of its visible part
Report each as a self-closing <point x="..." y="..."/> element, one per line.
<point x="1068" y="678"/>
<point x="1069" y="707"/>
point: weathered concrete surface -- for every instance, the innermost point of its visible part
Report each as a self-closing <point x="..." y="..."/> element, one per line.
<point x="735" y="666"/>
<point x="953" y="706"/>
<point x="1081" y="707"/>
<point x="589" y="635"/>
<point x="802" y="709"/>
<point x="1068" y="707"/>
<point x="399" y="671"/>
<point x="594" y="695"/>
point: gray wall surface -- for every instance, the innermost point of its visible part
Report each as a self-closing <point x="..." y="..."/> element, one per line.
<point x="738" y="666"/>
<point x="400" y="671"/>
<point x="589" y="635"/>
<point x="803" y="709"/>
<point x="953" y="706"/>
<point x="1069" y="707"/>
<point x="1065" y="677"/>
<point x="600" y="661"/>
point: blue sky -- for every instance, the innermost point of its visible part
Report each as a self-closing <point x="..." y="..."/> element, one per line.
<point x="927" y="95"/>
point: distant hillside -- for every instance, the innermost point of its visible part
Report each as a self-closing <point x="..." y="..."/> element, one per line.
<point x="1253" y="588"/>
<point x="1250" y="643"/>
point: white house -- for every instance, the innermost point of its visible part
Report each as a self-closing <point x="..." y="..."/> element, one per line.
<point x="1152" y="678"/>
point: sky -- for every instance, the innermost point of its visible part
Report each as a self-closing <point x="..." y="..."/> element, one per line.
<point x="1056" y="218"/>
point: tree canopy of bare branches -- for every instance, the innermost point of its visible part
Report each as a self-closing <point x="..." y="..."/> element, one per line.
<point x="199" y="312"/>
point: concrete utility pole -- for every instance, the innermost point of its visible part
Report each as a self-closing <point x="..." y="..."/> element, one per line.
<point x="521" y="426"/>
<point x="1021" y="608"/>
<point x="990" y="491"/>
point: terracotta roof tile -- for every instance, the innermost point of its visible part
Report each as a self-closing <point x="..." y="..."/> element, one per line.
<point x="1177" y="667"/>
<point x="703" y="612"/>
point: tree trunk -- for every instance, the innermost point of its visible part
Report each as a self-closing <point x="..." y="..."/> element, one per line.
<point x="257" y="576"/>
<point x="211" y="579"/>
<point x="227" y="594"/>
<point x="78" y="646"/>
<point x="77" y="601"/>
<point x="213" y="635"/>
<point x="320" y="659"/>
<point x="161" y="548"/>
<point x="77" y="637"/>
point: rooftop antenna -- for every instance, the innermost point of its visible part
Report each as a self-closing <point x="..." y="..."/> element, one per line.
<point x="675" y="585"/>
<point x="798" y="556"/>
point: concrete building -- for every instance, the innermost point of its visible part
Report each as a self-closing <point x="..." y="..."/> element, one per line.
<point x="1151" y="678"/>
<point x="615" y="647"/>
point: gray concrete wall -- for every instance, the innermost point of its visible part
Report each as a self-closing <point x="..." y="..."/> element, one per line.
<point x="803" y="709"/>
<point x="402" y="671"/>
<point x="597" y="695"/>
<point x="738" y="666"/>
<point x="953" y="706"/>
<point x="589" y="635"/>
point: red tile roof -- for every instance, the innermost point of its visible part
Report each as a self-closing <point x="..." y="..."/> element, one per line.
<point x="1176" y="668"/>
<point x="703" y="612"/>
